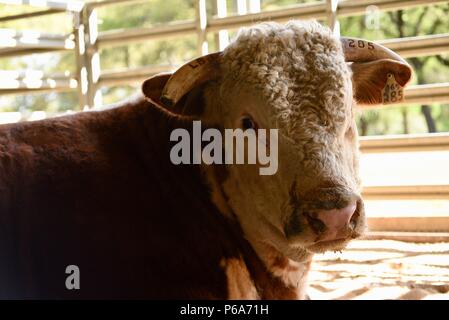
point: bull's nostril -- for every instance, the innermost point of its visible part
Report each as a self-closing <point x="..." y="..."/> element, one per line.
<point x="355" y="217"/>
<point x="353" y="221"/>
<point x="317" y="225"/>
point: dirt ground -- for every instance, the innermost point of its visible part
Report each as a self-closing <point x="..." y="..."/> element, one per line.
<point x="380" y="270"/>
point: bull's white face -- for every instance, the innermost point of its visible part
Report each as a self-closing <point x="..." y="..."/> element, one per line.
<point x="301" y="208"/>
<point x="293" y="78"/>
<point x="312" y="203"/>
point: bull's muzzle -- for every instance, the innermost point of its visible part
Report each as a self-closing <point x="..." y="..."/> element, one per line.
<point x="336" y="223"/>
<point x="325" y="215"/>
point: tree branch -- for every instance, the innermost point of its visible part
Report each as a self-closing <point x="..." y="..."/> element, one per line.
<point x="434" y="27"/>
<point x="400" y="23"/>
<point x="442" y="60"/>
<point x="420" y="20"/>
<point x="392" y="17"/>
<point x="425" y="59"/>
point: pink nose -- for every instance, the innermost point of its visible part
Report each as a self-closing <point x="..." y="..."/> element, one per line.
<point x="336" y="221"/>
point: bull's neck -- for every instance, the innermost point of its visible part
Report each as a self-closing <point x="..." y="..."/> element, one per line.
<point x="274" y="275"/>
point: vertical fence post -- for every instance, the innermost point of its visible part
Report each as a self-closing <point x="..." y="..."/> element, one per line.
<point x="88" y="59"/>
<point x="332" y="20"/>
<point x="201" y="21"/>
<point x="223" y="35"/>
<point x="241" y="7"/>
<point x="254" y="6"/>
<point x="94" y="57"/>
<point x="80" y="49"/>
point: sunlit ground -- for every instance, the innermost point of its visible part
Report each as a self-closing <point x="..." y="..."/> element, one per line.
<point x="381" y="270"/>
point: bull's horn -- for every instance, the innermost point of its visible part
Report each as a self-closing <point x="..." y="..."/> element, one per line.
<point x="359" y="50"/>
<point x="190" y="75"/>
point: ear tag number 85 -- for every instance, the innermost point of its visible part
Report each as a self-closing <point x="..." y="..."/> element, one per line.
<point x="392" y="92"/>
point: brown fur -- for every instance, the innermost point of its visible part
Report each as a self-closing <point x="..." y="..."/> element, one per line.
<point x="98" y="190"/>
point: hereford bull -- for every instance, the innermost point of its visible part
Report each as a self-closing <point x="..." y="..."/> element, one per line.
<point x="98" y="189"/>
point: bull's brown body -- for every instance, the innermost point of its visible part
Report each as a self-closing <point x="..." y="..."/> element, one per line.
<point x="98" y="190"/>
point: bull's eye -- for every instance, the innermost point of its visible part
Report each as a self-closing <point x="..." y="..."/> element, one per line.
<point x="248" y="123"/>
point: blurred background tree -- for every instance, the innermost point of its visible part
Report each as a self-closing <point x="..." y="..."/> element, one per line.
<point x="393" y="120"/>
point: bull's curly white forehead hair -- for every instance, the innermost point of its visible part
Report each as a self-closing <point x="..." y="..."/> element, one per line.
<point x="299" y="66"/>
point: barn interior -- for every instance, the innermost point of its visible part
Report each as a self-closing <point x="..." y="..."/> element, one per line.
<point x="73" y="56"/>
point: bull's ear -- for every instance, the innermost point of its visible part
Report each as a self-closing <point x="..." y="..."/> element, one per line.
<point x="152" y="87"/>
<point x="181" y="90"/>
<point x="379" y="74"/>
<point x="380" y="81"/>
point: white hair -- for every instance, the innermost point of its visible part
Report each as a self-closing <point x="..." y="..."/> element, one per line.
<point x="299" y="66"/>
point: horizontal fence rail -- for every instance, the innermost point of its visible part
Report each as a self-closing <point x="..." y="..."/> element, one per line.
<point x="14" y="43"/>
<point x="303" y="11"/>
<point x="428" y="93"/>
<point x="418" y="46"/>
<point x="15" y="82"/>
<point x="120" y="37"/>
<point x="104" y="3"/>
<point x="63" y="5"/>
<point x="405" y="143"/>
<point x="358" y="7"/>
<point x="30" y="15"/>
<point x="421" y="192"/>
<point x="407" y="236"/>
<point x="409" y="224"/>
<point x="132" y="75"/>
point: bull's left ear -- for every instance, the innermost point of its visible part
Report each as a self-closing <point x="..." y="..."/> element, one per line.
<point x="167" y="90"/>
<point x="380" y="81"/>
<point x="152" y="87"/>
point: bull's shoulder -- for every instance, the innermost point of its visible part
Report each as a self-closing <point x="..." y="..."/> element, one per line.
<point x="78" y="132"/>
<point x="63" y="146"/>
<point x="67" y="127"/>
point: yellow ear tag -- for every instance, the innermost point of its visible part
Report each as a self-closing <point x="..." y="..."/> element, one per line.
<point x="392" y="92"/>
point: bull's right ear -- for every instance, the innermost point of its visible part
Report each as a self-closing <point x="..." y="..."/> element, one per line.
<point x="379" y="74"/>
<point x="167" y="90"/>
<point x="379" y="82"/>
